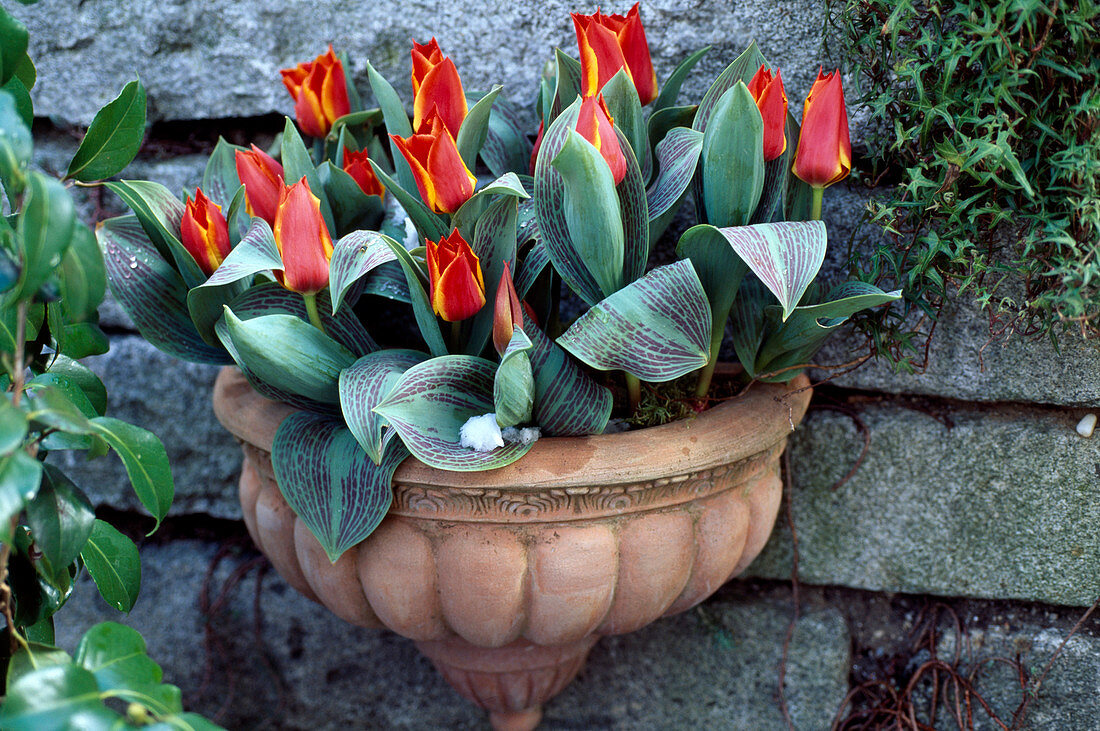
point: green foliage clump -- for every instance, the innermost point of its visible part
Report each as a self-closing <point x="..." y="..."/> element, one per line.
<point x="986" y="115"/>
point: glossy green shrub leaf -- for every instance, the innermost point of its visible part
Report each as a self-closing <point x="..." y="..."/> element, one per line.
<point x="13" y="427"/>
<point x="568" y="403"/>
<point x="785" y="255"/>
<point x="60" y="518"/>
<point x="160" y="214"/>
<point x="113" y="138"/>
<point x="514" y="384"/>
<point x="297" y="164"/>
<point x="430" y="403"/>
<point x="364" y="385"/>
<point x="595" y="225"/>
<point x="353" y="257"/>
<point x="116" y="655"/>
<point x="151" y="292"/>
<point x="13" y="45"/>
<point x="732" y="166"/>
<point x="112" y="561"/>
<point x="20" y="477"/>
<point x="657" y="328"/>
<point x="145" y="460"/>
<point x="475" y="128"/>
<point x="16" y="145"/>
<point x="22" y="96"/>
<point x="329" y="482"/>
<point x="83" y="276"/>
<point x="55" y="698"/>
<point x="43" y="231"/>
<point x="306" y="362"/>
<point x="82" y="339"/>
<point x="82" y="377"/>
<point x="670" y="90"/>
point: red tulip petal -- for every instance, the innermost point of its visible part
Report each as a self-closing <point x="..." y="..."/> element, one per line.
<point x="453" y="181"/>
<point x="824" y="154"/>
<point x="457" y="294"/>
<point x="635" y="50"/>
<point x="303" y="240"/>
<point x="262" y="178"/>
<point x="441" y="88"/>
<point x="595" y="125"/>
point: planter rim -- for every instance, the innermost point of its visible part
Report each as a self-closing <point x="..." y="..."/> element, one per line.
<point x="736" y="429"/>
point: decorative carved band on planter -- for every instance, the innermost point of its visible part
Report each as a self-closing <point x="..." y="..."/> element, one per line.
<point x="506" y="578"/>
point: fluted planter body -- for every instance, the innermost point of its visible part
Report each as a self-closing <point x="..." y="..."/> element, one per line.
<point x="506" y="578"/>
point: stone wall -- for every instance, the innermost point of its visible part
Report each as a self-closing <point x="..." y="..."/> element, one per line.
<point x="974" y="491"/>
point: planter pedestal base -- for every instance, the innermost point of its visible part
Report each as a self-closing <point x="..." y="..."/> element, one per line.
<point x="505" y="579"/>
<point x="510" y="682"/>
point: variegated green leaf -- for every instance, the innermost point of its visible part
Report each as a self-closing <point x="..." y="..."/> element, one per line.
<point x="397" y="123"/>
<point x="363" y="386"/>
<point x="657" y="328"/>
<point x="741" y="70"/>
<point x="220" y="180"/>
<point x="494" y="243"/>
<point x="471" y="135"/>
<point x="352" y="209"/>
<point x="422" y="306"/>
<point x="732" y="159"/>
<point x="567" y="402"/>
<point x="506" y="147"/>
<point x="431" y="402"/>
<point x="621" y="98"/>
<point x="297" y="164"/>
<point x="634" y="211"/>
<point x="785" y="255"/>
<point x="567" y="85"/>
<point x="151" y="292"/>
<point x="749" y="322"/>
<point x="678" y="155"/>
<point x="514" y="384"/>
<point x="353" y="257"/>
<point x="329" y="482"/>
<point x="160" y="214"/>
<point x="720" y="271"/>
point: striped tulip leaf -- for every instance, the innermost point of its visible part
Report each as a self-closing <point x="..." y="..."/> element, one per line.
<point x="657" y="328"/>
<point x="475" y="128"/>
<point x="567" y="402"/>
<point x="514" y="384"/>
<point x="776" y="172"/>
<point x="290" y="354"/>
<point x="160" y="214"/>
<point x="329" y="483"/>
<point x="634" y="211"/>
<point x="255" y="253"/>
<point x="271" y="298"/>
<point x="670" y="91"/>
<point x="428" y="224"/>
<point x="151" y="292"/>
<point x="430" y="403"/>
<point x="363" y="386"/>
<point x="567" y="85"/>
<point x="220" y="180"/>
<point x="353" y="257"/>
<point x="352" y="209"/>
<point x="749" y="322"/>
<point x="678" y="156"/>
<point x="741" y="70"/>
<point x="494" y="243"/>
<point x="550" y="209"/>
<point x="421" y="305"/>
<point x="785" y="255"/>
<point x="297" y="164"/>
<point x="533" y="264"/>
<point x="732" y="166"/>
<point x="799" y="337"/>
<point x="593" y="222"/>
<point x="622" y="101"/>
<point x="720" y="271"/>
<point x="388" y="280"/>
<point x="469" y="213"/>
<point x="506" y="145"/>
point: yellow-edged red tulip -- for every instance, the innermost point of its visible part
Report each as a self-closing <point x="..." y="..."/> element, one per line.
<point x="454" y="274"/>
<point x="436" y="85"/>
<point x="824" y="154"/>
<point x="612" y="42"/>
<point x="507" y="312"/>
<point x="303" y="240"/>
<point x="595" y="125"/>
<point x="204" y="232"/>
<point x="771" y="100"/>
<point x="357" y="166"/>
<point x="320" y="92"/>
<point x="444" y="181"/>
<point x="262" y="178"/>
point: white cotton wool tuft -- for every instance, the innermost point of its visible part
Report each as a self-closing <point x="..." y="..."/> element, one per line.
<point x="481" y="433"/>
<point x="525" y="436"/>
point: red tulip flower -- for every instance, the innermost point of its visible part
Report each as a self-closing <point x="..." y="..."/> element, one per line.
<point x="771" y="100"/>
<point x="357" y="166"/>
<point x="303" y="240"/>
<point x="507" y="312"/>
<point x="454" y="273"/>
<point x="262" y="178"/>
<point x="595" y="125"/>
<point x="444" y="181"/>
<point x="320" y="92"/>
<point x="538" y="145"/>
<point x="612" y="42"/>
<point x="204" y="232"/>
<point x="824" y="154"/>
<point x="436" y="85"/>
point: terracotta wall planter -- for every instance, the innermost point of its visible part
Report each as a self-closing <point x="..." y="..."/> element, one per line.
<point x="505" y="579"/>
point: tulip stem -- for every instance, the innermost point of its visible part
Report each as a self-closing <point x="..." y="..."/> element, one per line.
<point x="634" y="390"/>
<point x="815" y="203"/>
<point x="311" y="309"/>
<point x="456" y="336"/>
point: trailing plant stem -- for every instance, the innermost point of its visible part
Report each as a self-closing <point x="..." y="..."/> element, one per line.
<point x="634" y="390"/>
<point x="311" y="308"/>
<point x="815" y="203"/>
